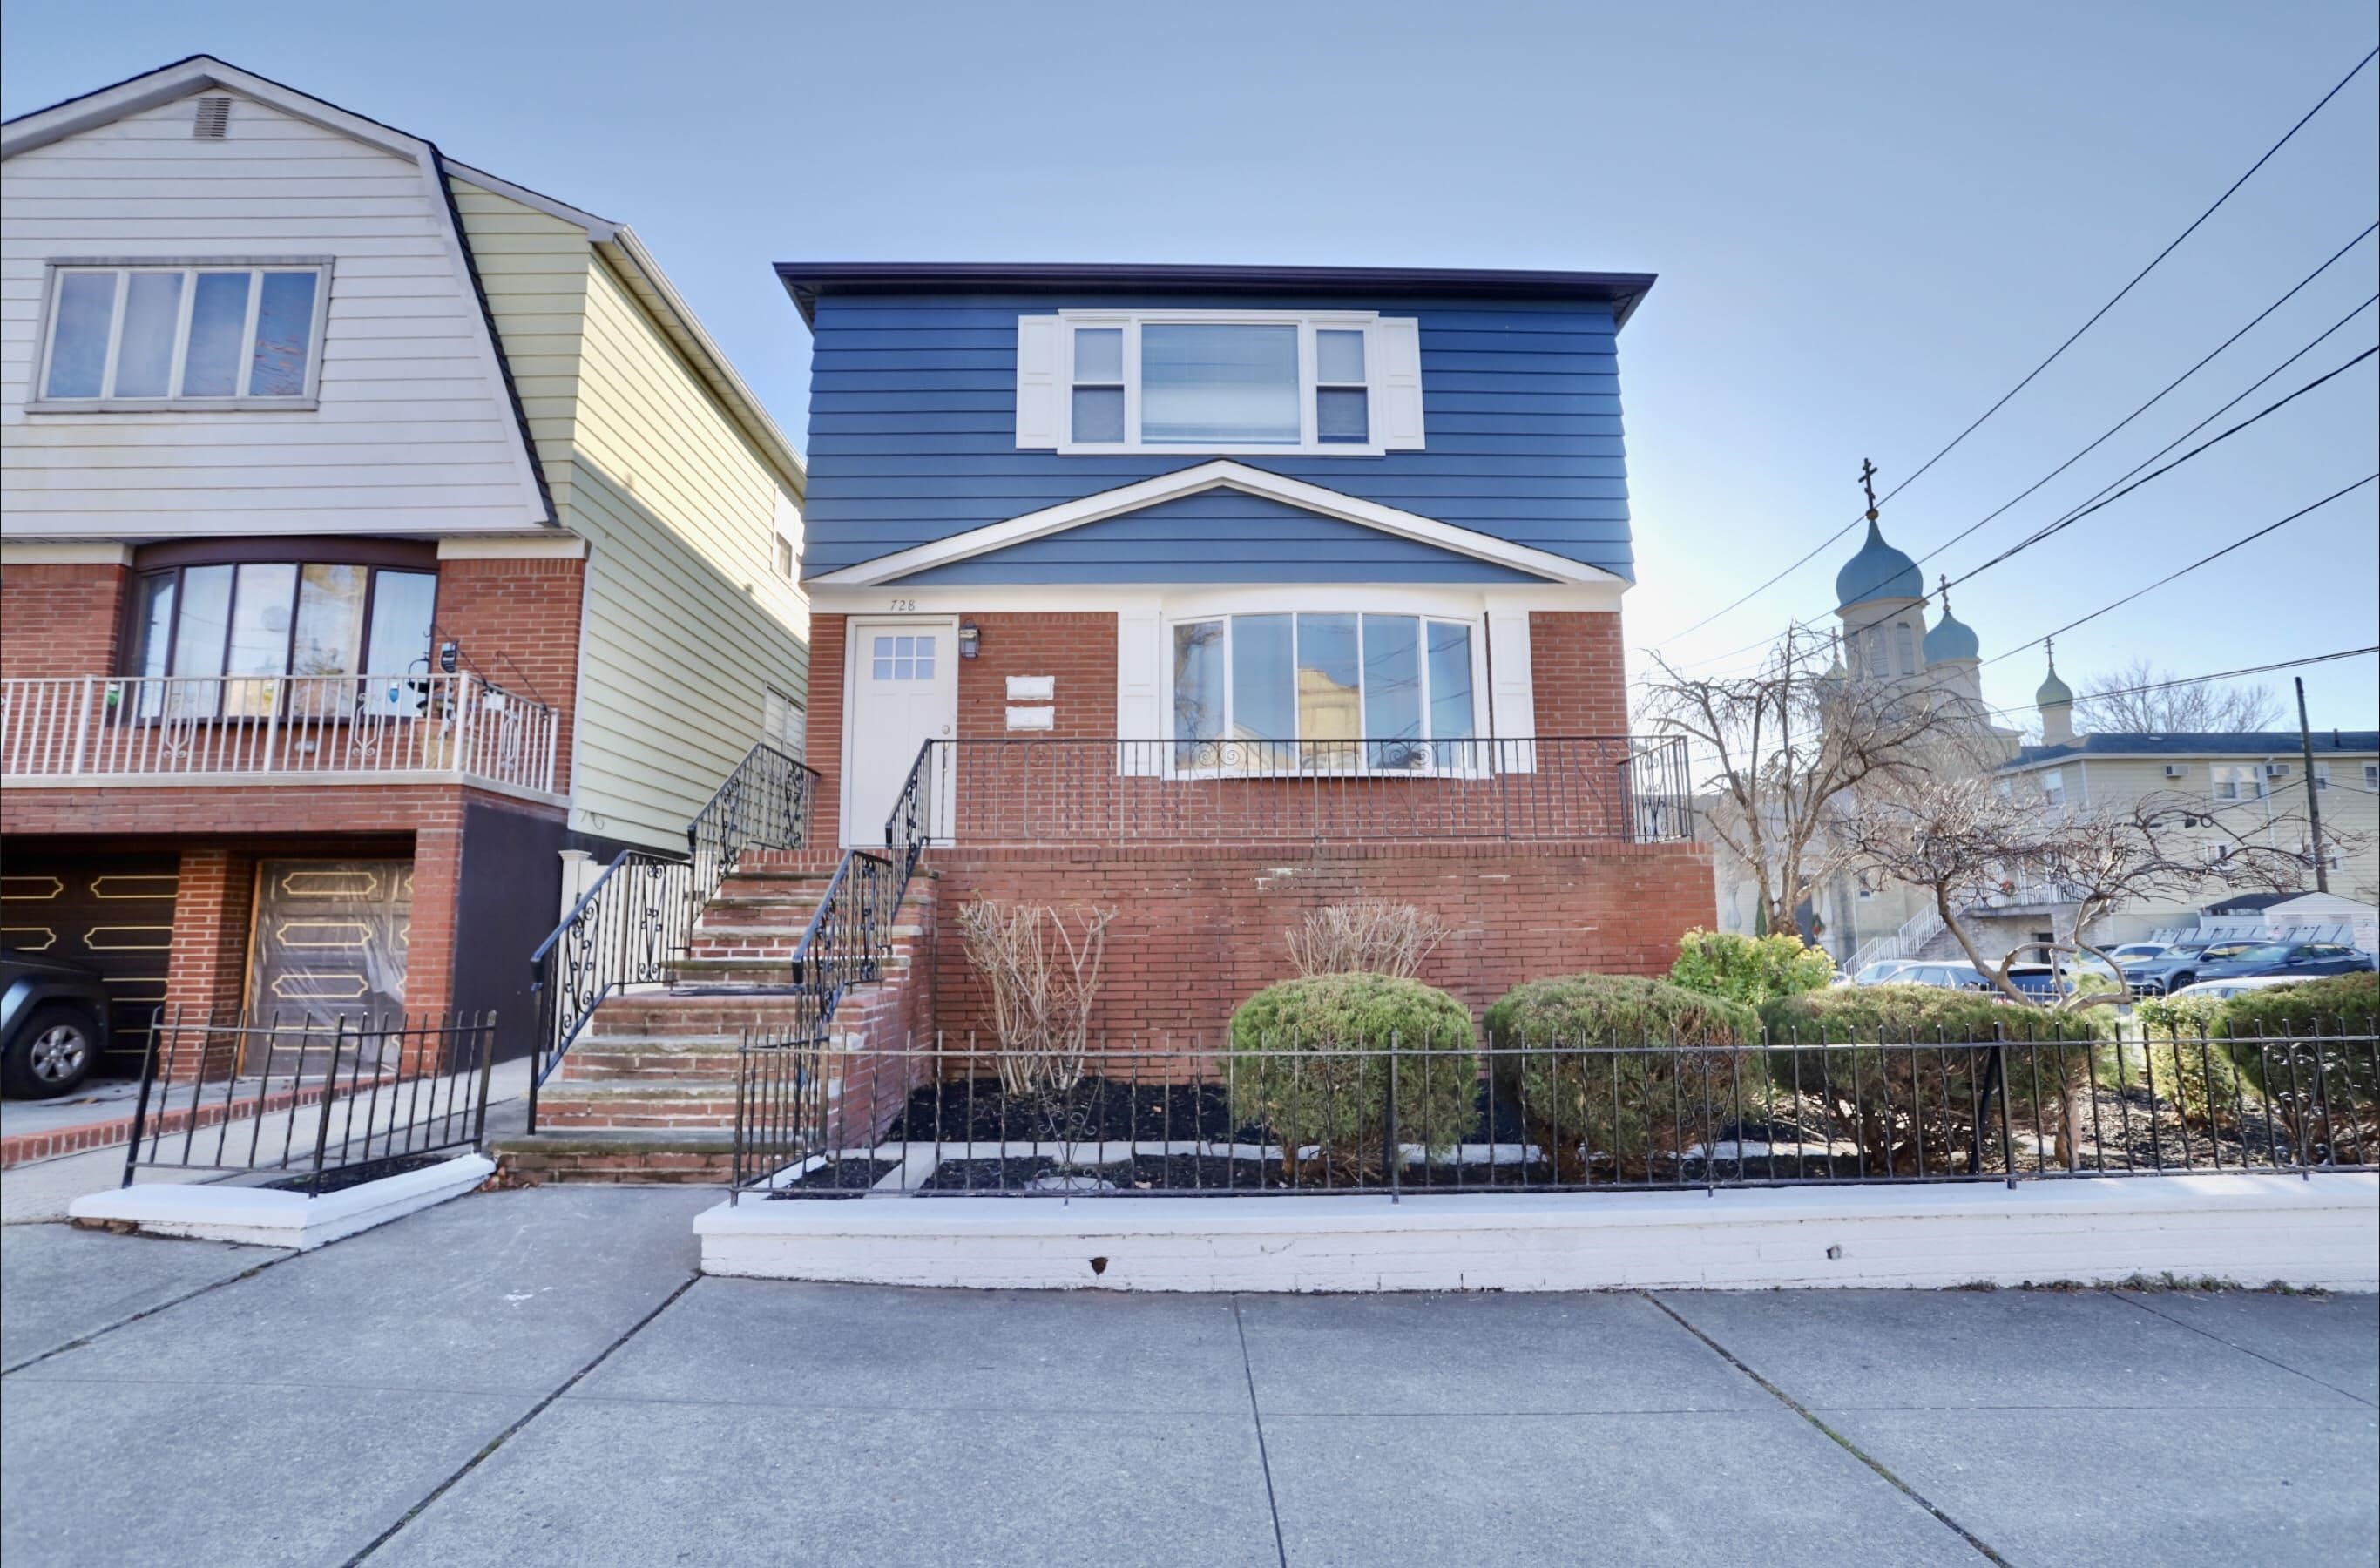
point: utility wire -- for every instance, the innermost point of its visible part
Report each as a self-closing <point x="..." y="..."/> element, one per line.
<point x="2053" y="354"/>
<point x="2110" y="493"/>
<point x="2185" y="571"/>
<point x="2038" y="535"/>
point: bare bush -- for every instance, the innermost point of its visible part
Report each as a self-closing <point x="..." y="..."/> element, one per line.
<point x="1370" y="936"/>
<point x="1041" y="965"/>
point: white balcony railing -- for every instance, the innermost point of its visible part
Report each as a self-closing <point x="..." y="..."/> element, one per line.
<point x="177" y="728"/>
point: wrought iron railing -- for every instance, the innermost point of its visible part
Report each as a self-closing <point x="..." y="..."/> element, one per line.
<point x="765" y="803"/>
<point x="636" y="920"/>
<point x="180" y="728"/>
<point x="1406" y="1116"/>
<point x="1029" y="791"/>
<point x="318" y="1105"/>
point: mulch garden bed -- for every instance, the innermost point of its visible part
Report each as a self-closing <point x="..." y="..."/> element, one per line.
<point x="837" y="1178"/>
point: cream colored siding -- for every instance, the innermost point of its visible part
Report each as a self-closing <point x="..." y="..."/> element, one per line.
<point x="687" y="622"/>
<point x="414" y="432"/>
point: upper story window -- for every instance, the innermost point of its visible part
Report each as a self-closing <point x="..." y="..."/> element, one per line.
<point x="1337" y="692"/>
<point x="2238" y="780"/>
<point x="184" y="335"/>
<point x="232" y="629"/>
<point x="2053" y="787"/>
<point x="1259" y="382"/>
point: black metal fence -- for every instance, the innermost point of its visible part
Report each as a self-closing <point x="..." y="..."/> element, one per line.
<point x="322" y="1105"/>
<point x="1189" y="1118"/>
<point x="765" y="803"/>
<point x="1031" y="791"/>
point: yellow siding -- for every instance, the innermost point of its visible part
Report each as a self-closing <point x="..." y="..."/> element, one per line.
<point x="2348" y="806"/>
<point x="687" y="621"/>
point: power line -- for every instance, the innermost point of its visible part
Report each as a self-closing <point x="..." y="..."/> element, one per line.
<point x="2184" y="571"/>
<point x="2038" y="535"/>
<point x="2110" y="494"/>
<point x="2055" y="353"/>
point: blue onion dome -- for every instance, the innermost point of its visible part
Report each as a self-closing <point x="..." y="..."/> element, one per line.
<point x="2054" y="692"/>
<point x="1951" y="638"/>
<point x="1878" y="571"/>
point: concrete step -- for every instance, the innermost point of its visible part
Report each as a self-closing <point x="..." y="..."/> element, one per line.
<point x="687" y="1156"/>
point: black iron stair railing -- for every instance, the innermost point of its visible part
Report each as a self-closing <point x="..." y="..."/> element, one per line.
<point x="638" y="917"/>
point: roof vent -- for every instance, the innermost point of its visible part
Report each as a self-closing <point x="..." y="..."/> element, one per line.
<point x="214" y="115"/>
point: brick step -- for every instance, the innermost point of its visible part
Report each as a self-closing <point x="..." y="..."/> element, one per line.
<point x="687" y="1156"/>
<point x="701" y="1103"/>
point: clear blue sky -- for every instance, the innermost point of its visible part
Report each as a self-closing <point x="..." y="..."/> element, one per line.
<point x="1869" y="221"/>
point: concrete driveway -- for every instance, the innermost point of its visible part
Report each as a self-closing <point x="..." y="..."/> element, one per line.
<point x="538" y="1377"/>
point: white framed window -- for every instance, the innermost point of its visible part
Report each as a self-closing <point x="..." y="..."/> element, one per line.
<point x="1337" y="691"/>
<point x="2238" y="780"/>
<point x="787" y="558"/>
<point x="1904" y="648"/>
<point x="2322" y="776"/>
<point x="1344" y="384"/>
<point x="2053" y="787"/>
<point x="183" y="335"/>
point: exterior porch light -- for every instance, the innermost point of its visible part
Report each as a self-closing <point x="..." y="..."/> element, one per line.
<point x="970" y="639"/>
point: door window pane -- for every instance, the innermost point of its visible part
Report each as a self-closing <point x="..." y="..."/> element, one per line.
<point x="79" y="348"/>
<point x="1223" y="385"/>
<point x="218" y="331"/>
<point x="1393" y="690"/>
<point x="144" y="356"/>
<point x="284" y="329"/>
<point x="1328" y="712"/>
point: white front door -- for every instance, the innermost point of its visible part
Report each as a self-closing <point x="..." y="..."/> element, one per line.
<point x="902" y="691"/>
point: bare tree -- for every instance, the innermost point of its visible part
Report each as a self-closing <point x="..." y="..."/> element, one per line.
<point x="2123" y="704"/>
<point x="1781" y="749"/>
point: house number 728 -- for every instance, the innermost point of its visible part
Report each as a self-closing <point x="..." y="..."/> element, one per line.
<point x="905" y="605"/>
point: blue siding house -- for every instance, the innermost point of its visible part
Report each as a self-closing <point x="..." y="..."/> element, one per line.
<point x="1366" y="519"/>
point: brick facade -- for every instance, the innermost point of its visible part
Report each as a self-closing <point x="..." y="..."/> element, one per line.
<point x="517" y="623"/>
<point x="1197" y="933"/>
<point x="1579" y="671"/>
<point x="60" y="620"/>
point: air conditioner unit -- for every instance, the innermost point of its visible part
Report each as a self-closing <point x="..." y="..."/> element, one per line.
<point x="2177" y="769"/>
<point x="2276" y="770"/>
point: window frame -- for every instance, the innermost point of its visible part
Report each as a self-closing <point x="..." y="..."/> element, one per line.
<point x="57" y="269"/>
<point x="175" y="560"/>
<point x="1475" y="628"/>
<point x="2236" y="776"/>
<point x="1309" y="442"/>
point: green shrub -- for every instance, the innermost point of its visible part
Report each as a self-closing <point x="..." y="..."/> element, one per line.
<point x="1635" y="1107"/>
<point x="1751" y="970"/>
<point x="1907" y="1105"/>
<point x="1287" y="1073"/>
<point x="2325" y="1089"/>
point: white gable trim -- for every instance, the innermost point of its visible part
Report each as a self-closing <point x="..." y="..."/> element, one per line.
<point x="199" y="73"/>
<point x="1220" y="474"/>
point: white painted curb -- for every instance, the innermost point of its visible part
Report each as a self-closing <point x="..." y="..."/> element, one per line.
<point x="2253" y="1230"/>
<point x="262" y="1218"/>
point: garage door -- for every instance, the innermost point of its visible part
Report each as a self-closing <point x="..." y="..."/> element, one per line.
<point x="113" y="914"/>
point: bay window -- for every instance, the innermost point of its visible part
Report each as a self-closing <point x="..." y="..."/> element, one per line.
<point x="194" y="334"/>
<point x="1328" y="692"/>
<point x="232" y="629"/>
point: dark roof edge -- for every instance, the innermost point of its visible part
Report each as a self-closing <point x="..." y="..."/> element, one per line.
<point x="806" y="280"/>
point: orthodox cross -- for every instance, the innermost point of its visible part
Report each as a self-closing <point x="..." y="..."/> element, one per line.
<point x="1867" y="482"/>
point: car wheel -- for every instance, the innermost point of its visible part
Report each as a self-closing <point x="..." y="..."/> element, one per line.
<point x="2175" y="984"/>
<point x="53" y="1054"/>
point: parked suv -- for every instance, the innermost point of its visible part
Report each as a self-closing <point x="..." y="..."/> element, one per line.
<point x="52" y="1024"/>
<point x="2298" y="960"/>
<point x="2181" y="964"/>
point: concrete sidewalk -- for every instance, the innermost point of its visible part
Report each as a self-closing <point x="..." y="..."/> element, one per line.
<point x="537" y="1376"/>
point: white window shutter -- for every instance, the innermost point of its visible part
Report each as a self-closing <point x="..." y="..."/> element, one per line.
<point x="1396" y="382"/>
<point x="1511" y="691"/>
<point x="1040" y="359"/>
<point x="1139" y="714"/>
